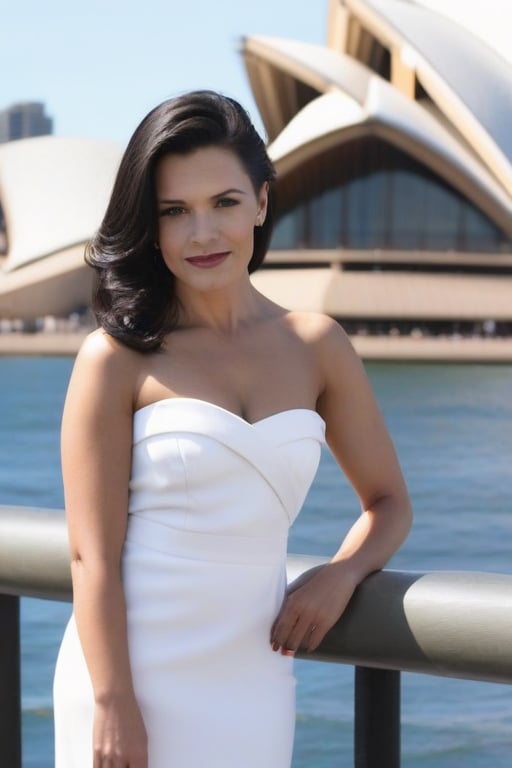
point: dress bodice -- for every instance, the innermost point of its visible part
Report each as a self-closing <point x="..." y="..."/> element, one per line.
<point x="204" y="576"/>
<point x="199" y="467"/>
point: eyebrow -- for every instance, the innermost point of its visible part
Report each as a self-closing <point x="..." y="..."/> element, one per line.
<point x="230" y="191"/>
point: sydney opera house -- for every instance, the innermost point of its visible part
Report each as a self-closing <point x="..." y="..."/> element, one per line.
<point x="393" y="150"/>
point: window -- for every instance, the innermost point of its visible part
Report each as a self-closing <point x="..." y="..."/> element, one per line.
<point x="370" y="195"/>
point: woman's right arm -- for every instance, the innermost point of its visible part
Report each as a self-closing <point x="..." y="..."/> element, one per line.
<point x="96" y="458"/>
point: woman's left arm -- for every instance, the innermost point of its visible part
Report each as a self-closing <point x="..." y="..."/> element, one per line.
<point x="360" y="443"/>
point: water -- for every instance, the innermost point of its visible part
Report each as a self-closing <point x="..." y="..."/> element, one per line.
<point x="452" y="426"/>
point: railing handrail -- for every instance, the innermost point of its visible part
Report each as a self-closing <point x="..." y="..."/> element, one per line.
<point x="444" y="623"/>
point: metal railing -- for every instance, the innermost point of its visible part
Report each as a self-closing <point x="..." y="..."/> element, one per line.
<point x="450" y="624"/>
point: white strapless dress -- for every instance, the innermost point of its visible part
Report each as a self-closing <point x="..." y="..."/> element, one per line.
<point x="211" y="501"/>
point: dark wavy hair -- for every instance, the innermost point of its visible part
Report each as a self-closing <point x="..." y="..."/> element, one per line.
<point x="134" y="298"/>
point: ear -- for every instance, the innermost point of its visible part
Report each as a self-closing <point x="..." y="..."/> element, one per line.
<point x="262" y="204"/>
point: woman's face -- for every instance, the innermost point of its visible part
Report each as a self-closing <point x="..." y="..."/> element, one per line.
<point x="207" y="211"/>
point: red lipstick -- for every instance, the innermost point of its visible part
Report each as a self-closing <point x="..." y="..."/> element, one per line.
<point x="208" y="260"/>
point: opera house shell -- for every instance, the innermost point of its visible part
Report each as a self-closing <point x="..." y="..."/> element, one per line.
<point x="393" y="151"/>
<point x="394" y="157"/>
<point x="53" y="192"/>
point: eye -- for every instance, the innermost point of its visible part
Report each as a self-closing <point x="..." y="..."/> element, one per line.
<point x="173" y="210"/>
<point x="226" y="202"/>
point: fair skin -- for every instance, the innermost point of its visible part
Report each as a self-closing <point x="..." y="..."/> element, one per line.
<point x="228" y="339"/>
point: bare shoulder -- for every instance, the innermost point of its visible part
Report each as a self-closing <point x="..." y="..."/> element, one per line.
<point x="322" y="332"/>
<point x="105" y="365"/>
<point x="98" y="346"/>
<point x="341" y="374"/>
<point x="310" y="326"/>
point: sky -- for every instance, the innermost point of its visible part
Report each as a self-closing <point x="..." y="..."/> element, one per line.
<point x="101" y="65"/>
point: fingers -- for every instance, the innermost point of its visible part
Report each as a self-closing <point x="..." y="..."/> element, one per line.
<point x="109" y="757"/>
<point x="307" y="639"/>
<point x="296" y="629"/>
<point x="107" y="761"/>
<point x="314" y="639"/>
<point x="312" y="605"/>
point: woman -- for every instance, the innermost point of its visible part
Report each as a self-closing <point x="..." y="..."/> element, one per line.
<point x="191" y="433"/>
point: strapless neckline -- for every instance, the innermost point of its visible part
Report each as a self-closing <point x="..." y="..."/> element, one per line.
<point x="219" y="409"/>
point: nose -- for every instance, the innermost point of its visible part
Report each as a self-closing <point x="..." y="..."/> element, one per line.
<point x="204" y="229"/>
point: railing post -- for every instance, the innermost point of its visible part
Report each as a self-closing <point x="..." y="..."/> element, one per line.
<point x="10" y="681"/>
<point x="377" y="718"/>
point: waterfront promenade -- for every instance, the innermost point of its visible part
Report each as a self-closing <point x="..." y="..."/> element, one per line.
<point x="391" y="348"/>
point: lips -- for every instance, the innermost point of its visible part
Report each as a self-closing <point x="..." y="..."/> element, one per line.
<point x="209" y="260"/>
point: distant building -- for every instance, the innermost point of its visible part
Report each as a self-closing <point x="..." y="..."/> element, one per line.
<point x="393" y="152"/>
<point x="54" y="191"/>
<point x="21" y="121"/>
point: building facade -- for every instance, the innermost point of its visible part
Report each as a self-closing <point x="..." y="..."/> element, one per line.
<point x="394" y="167"/>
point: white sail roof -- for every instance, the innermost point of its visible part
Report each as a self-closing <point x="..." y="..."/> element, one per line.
<point x="53" y="192"/>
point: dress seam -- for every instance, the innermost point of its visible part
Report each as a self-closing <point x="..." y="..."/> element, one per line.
<point x="186" y="517"/>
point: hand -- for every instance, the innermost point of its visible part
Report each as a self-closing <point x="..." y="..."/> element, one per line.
<point x="312" y="605"/>
<point x="119" y="737"/>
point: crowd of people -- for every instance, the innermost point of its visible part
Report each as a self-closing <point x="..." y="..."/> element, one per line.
<point x="83" y="320"/>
